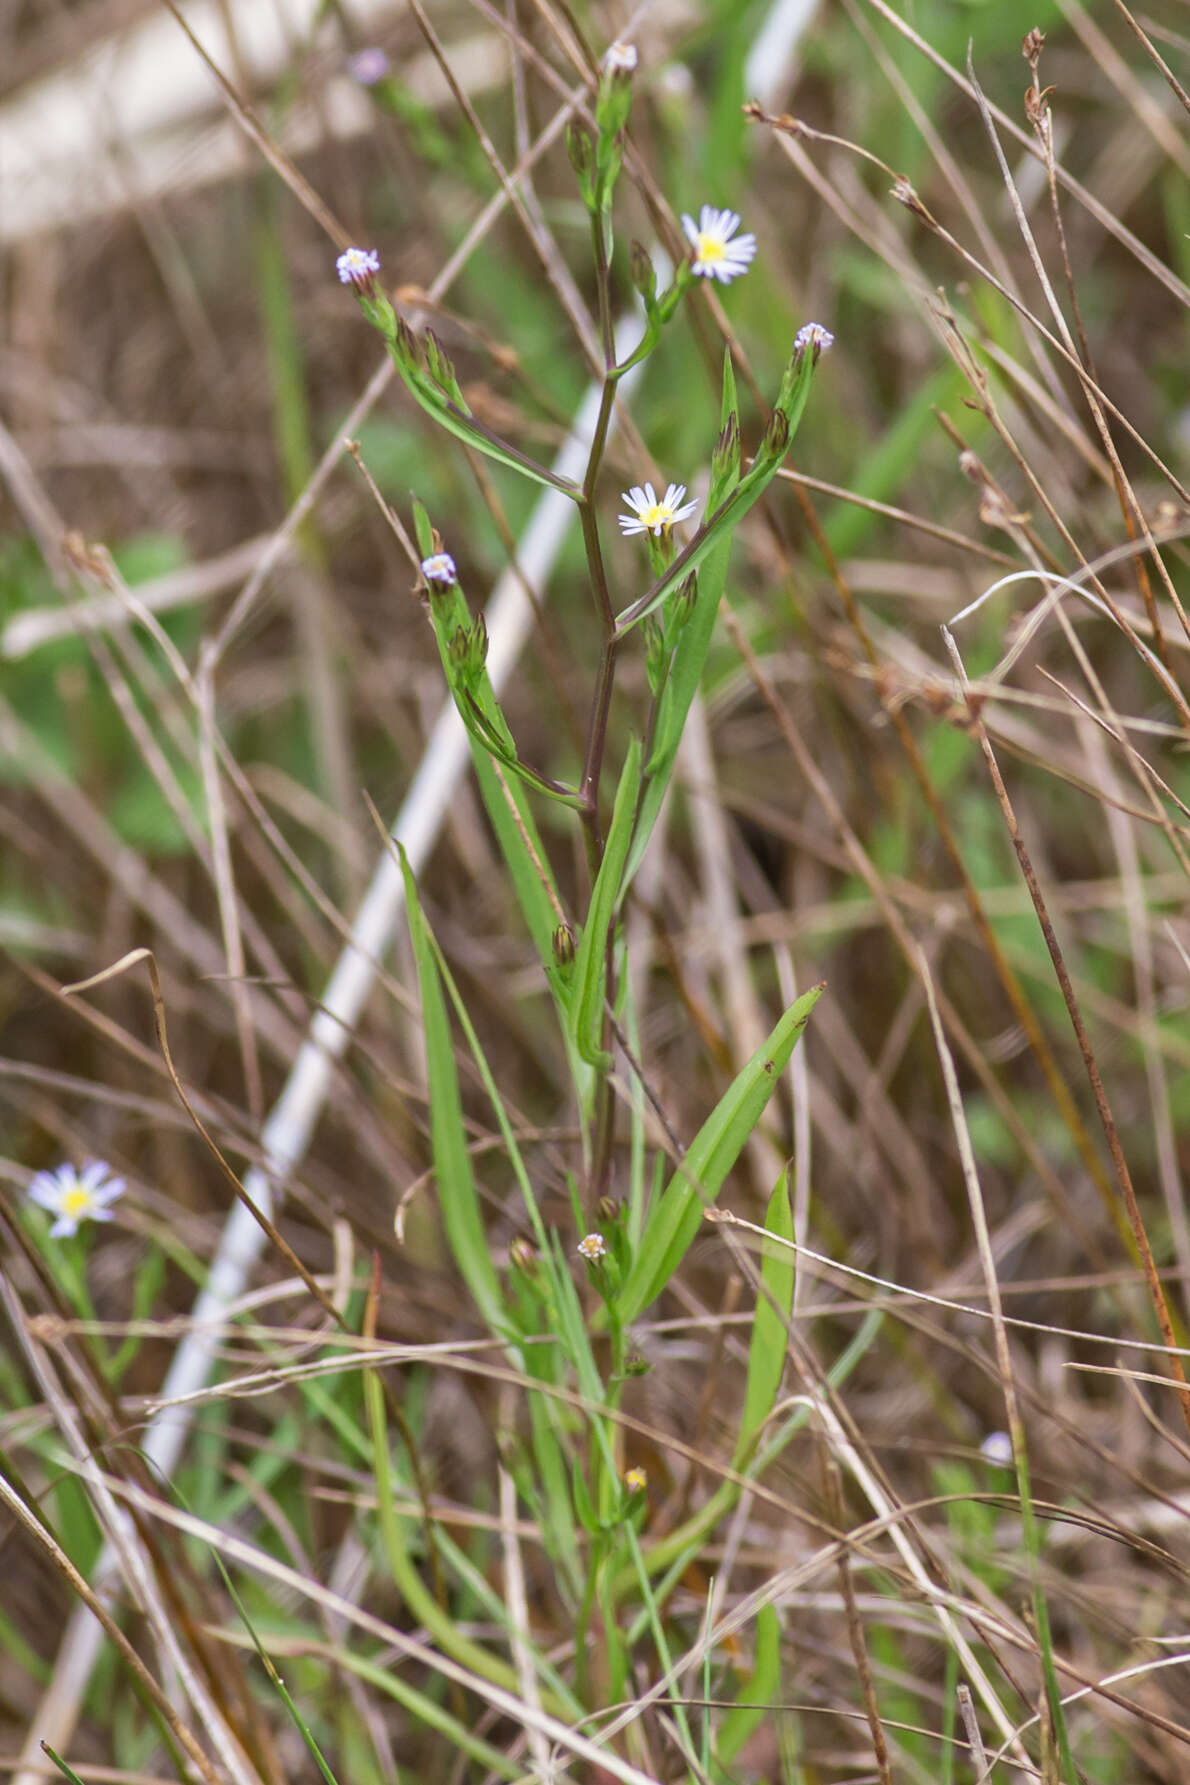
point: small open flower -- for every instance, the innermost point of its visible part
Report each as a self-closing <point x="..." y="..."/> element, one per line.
<point x="650" y="516"/>
<point x="635" y="1480"/>
<point x="75" y="1196"/>
<point x="716" y="251"/>
<point x="592" y="1247"/>
<point x="620" y="58"/>
<point x="440" y="569"/>
<point x="368" y="66"/>
<point x="812" y="334"/>
<point x="357" y="265"/>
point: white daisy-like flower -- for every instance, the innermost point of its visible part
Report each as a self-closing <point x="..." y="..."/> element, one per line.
<point x="717" y="252"/>
<point x="75" y="1196"/>
<point x="368" y="66"/>
<point x="650" y="516"/>
<point x="440" y="568"/>
<point x="592" y="1247"/>
<point x="620" y="57"/>
<point x="812" y="334"/>
<point x="357" y="265"/>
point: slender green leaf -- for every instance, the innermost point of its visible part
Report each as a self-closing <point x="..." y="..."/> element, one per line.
<point x="423" y="529"/>
<point x="504" y="801"/>
<point x="457" y="1196"/>
<point x="61" y="1765"/>
<point x="766" y="1352"/>
<point x="466" y="428"/>
<point x="590" y="962"/>
<point x="681" y="685"/>
<point x="758" y="1690"/>
<point x="673" y="1224"/>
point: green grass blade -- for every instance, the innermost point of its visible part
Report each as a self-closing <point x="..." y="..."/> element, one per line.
<point x="774" y="1304"/>
<point x="459" y="1738"/>
<point x="421" y="1603"/>
<point x="67" y="1771"/>
<point x="673" y="1224"/>
<point x="759" y="1689"/>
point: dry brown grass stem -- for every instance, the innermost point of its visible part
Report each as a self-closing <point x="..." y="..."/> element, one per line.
<point x="1098" y="1092"/>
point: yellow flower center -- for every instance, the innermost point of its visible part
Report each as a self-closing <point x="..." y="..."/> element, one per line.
<point x="709" y="247"/>
<point x="77" y="1201"/>
<point x="658" y="512"/>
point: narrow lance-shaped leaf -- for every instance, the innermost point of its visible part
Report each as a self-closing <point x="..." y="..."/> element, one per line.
<point x="757" y="1692"/>
<point x="590" y="963"/>
<point x="457" y="1196"/>
<point x="447" y="405"/>
<point x="774" y="1304"/>
<point x="505" y="801"/>
<point x="673" y="1224"/>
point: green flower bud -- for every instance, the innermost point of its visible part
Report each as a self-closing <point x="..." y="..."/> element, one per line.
<point x="776" y="438"/>
<point x="563" y="940"/>
<point x="581" y="150"/>
<point x="404" y="347"/>
<point x="523" y="1256"/>
<point x="614" y="99"/>
<point x="468" y="651"/>
<point x="656" y="652"/>
<point x="644" y="277"/>
<point x="441" y="370"/>
<point x="725" y="461"/>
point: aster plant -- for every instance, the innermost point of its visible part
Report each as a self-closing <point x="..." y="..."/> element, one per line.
<point x="660" y="593"/>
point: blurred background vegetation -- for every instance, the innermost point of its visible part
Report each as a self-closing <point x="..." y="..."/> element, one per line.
<point x="178" y="371"/>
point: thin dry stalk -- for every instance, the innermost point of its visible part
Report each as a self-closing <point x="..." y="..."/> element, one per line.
<point x="1098" y="1092"/>
<point x="855" y="1626"/>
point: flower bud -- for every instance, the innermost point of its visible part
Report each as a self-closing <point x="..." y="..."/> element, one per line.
<point x="620" y="57"/>
<point x="725" y="460"/>
<point x="441" y="370"/>
<point x="609" y="1210"/>
<point x="613" y="102"/>
<point x="684" y="600"/>
<point x="523" y="1256"/>
<point x="563" y="940"/>
<point x="404" y="346"/>
<point x="581" y="150"/>
<point x="656" y="652"/>
<point x="643" y="276"/>
<point x="468" y="651"/>
<point x="776" y="437"/>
